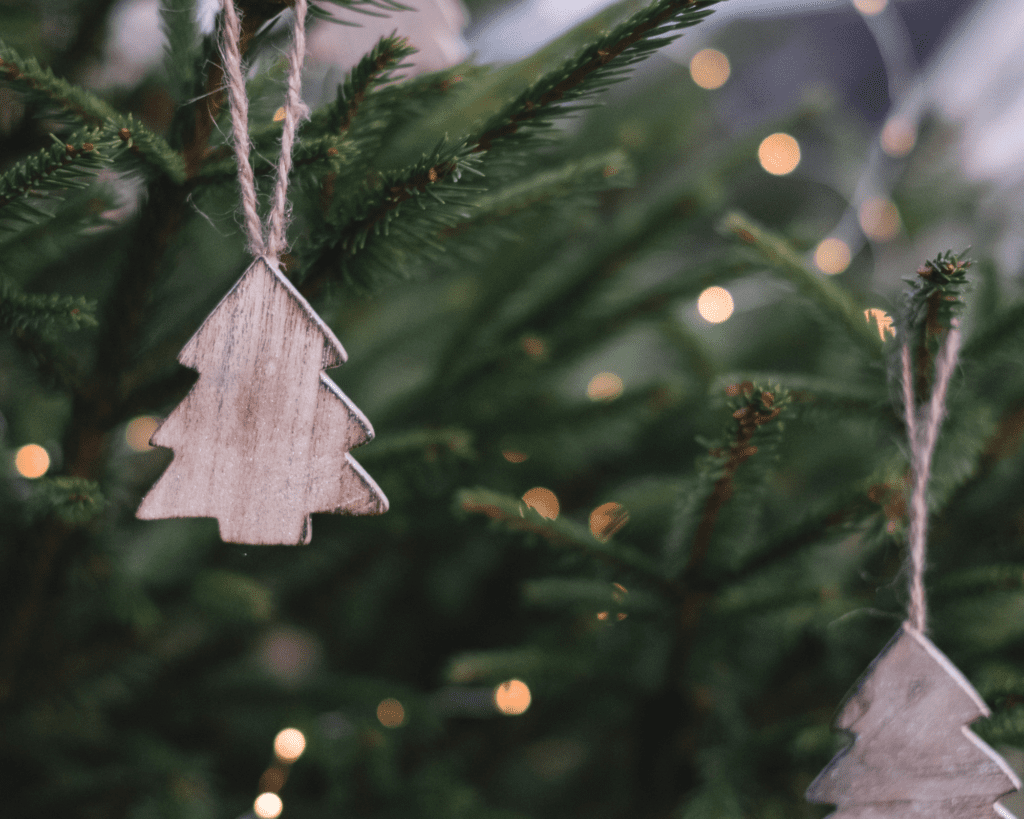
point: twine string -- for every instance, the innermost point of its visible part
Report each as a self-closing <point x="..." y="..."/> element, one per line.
<point x="272" y="241"/>
<point x="923" y="437"/>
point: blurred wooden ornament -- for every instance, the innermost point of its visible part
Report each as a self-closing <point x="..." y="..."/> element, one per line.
<point x="263" y="438"/>
<point x="913" y="756"/>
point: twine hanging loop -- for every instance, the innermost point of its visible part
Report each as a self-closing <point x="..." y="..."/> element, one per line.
<point x="268" y="241"/>
<point x="923" y="432"/>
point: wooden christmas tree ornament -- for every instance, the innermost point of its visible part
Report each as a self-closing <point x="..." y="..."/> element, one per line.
<point x="263" y="438"/>
<point x="913" y="756"/>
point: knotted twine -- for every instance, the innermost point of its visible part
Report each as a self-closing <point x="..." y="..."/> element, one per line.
<point x="923" y="432"/>
<point x="270" y="242"/>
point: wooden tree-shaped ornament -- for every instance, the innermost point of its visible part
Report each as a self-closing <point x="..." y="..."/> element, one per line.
<point x="263" y="438"/>
<point x="913" y="756"/>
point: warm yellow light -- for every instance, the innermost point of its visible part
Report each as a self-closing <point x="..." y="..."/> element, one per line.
<point x="512" y="697"/>
<point x="32" y="461"/>
<point x="883" y="321"/>
<point x="879" y="219"/>
<point x="604" y="387"/>
<point x="870" y="7"/>
<point x="544" y="501"/>
<point x="139" y="431"/>
<point x="898" y="137"/>
<point x="832" y="256"/>
<point x="715" y="305"/>
<point x="391" y="713"/>
<point x="279" y="114"/>
<point x="602" y="615"/>
<point x="289" y="744"/>
<point x="779" y="154"/>
<point x="268" y="806"/>
<point x="607" y="519"/>
<point x="534" y="347"/>
<point x="709" y="68"/>
<point x="514" y="456"/>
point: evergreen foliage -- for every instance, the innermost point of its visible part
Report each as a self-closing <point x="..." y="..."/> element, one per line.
<point x="726" y="554"/>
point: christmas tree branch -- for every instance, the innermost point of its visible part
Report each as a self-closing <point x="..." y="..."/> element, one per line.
<point x="594" y="68"/>
<point x="67" y="165"/>
<point x="831" y="300"/>
<point x="374" y="69"/>
<point x="38" y="83"/>
<point x="43" y="313"/>
<point x="516" y="515"/>
<point x="381" y="208"/>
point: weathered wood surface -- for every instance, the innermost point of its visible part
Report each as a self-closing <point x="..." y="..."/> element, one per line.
<point x="262" y="439"/>
<point x="913" y="755"/>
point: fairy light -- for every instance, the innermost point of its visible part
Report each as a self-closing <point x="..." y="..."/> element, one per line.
<point x="512" y="697"/>
<point x="715" y="305"/>
<point x="279" y="114"/>
<point x="534" y="347"/>
<point x="543" y="501"/>
<point x="514" y="456"/>
<point x="32" y="461"/>
<point x="879" y="219"/>
<point x="870" y="7"/>
<point x="604" y="387"/>
<point x="289" y="744"/>
<point x="268" y="806"/>
<point x="710" y="68"/>
<point x="832" y="256"/>
<point x="139" y="431"/>
<point x="607" y="519"/>
<point x="898" y="137"/>
<point x="390" y="713"/>
<point x="882" y="320"/>
<point x="779" y="154"/>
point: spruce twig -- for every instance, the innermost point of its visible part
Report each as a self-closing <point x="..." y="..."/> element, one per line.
<point x="834" y="302"/>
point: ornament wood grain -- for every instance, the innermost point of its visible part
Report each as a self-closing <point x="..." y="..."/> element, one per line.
<point x="913" y="755"/>
<point x="263" y="438"/>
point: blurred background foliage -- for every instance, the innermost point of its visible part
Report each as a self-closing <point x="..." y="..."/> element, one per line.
<point x="645" y="470"/>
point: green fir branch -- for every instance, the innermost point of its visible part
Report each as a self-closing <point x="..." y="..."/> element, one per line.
<point x="43" y="314"/>
<point x="39" y="84"/>
<point x="754" y="431"/>
<point x="71" y="500"/>
<point x="602" y="63"/>
<point x="515" y="515"/>
<point x="834" y="303"/>
<point x="63" y="166"/>
<point x="182" y="41"/>
<point x="408" y="208"/>
<point x="373" y="70"/>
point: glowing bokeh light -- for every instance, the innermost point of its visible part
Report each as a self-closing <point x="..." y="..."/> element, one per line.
<point x="604" y="387"/>
<point x="139" y="431"/>
<point x="779" y="154"/>
<point x="534" y="347"/>
<point x="543" y="501"/>
<point x="832" y="256"/>
<point x="289" y="744"/>
<point x="607" y="519"/>
<point x="268" y="806"/>
<point x="879" y="219"/>
<point x="710" y="68"/>
<point x="32" y="461"/>
<point x="883" y="321"/>
<point x="514" y="456"/>
<point x="279" y="114"/>
<point x="715" y="304"/>
<point x="390" y="713"/>
<point x="512" y="697"/>
<point x="870" y="7"/>
<point x="898" y="137"/>
<point x="273" y="779"/>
